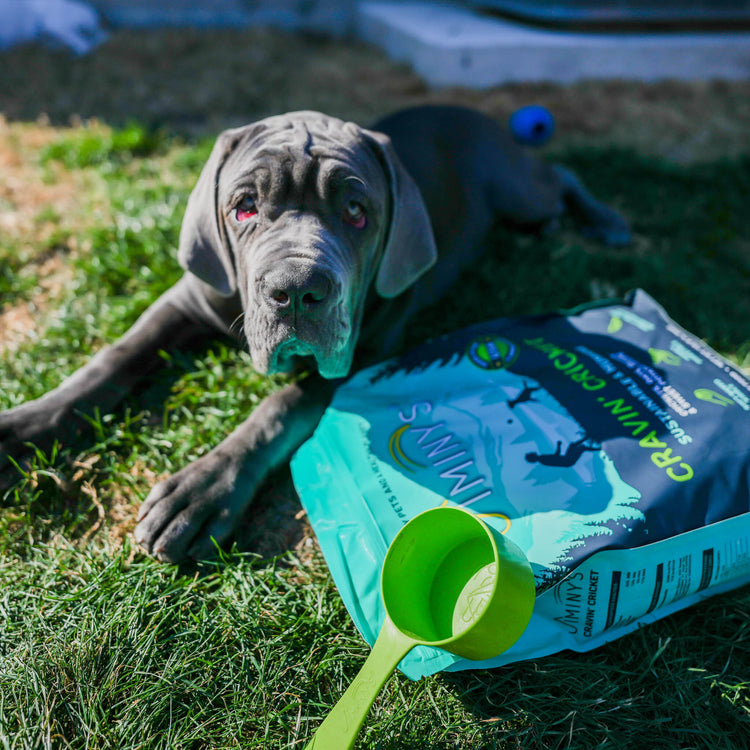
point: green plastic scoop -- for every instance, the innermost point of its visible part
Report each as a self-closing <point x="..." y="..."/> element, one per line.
<point x="450" y="581"/>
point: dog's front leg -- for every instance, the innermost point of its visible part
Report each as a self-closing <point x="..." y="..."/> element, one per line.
<point x="189" y="513"/>
<point x="100" y="385"/>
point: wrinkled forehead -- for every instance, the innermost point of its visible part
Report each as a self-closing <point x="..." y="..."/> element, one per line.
<point x="307" y="146"/>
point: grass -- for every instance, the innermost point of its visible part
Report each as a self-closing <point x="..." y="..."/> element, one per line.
<point x="101" y="647"/>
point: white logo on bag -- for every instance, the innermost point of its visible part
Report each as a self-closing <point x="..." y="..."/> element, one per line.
<point x="438" y="448"/>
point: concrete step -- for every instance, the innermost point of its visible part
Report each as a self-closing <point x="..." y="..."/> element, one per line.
<point x="452" y="46"/>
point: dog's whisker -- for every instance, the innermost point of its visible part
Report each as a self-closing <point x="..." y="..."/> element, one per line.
<point x="237" y="328"/>
<point x="237" y="321"/>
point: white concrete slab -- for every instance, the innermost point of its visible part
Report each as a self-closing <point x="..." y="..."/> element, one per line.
<point x="451" y="46"/>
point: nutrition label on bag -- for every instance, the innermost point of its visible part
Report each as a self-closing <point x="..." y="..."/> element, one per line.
<point x="613" y="590"/>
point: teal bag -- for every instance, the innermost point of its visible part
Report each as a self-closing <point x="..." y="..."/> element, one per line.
<point x="609" y="444"/>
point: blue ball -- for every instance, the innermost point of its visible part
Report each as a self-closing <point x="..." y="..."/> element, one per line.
<point x="532" y="125"/>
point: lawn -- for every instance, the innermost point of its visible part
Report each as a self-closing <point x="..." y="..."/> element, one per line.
<point x="102" y="647"/>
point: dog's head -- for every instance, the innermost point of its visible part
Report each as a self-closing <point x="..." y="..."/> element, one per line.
<point x="299" y="214"/>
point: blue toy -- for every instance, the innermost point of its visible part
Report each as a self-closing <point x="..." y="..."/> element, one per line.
<point x="532" y="125"/>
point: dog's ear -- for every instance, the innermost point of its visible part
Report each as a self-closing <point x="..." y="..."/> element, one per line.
<point x="204" y="248"/>
<point x="409" y="244"/>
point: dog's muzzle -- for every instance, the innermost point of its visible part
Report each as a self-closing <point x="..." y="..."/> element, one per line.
<point x="300" y="312"/>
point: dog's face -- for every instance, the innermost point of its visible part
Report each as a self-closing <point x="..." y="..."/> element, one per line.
<point x="298" y="214"/>
<point x="306" y="215"/>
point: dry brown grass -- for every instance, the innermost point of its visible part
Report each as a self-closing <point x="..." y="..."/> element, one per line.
<point x="198" y="82"/>
<point x="37" y="201"/>
<point x="43" y="210"/>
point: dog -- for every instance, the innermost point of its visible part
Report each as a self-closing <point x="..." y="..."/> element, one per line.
<point x="320" y="239"/>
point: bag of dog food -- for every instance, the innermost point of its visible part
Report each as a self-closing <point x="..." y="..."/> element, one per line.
<point x="609" y="444"/>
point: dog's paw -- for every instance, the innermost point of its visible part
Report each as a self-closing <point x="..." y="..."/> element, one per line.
<point x="192" y="512"/>
<point x="611" y="228"/>
<point x="24" y="430"/>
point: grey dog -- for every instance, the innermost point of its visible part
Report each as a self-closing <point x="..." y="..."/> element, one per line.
<point x="322" y="238"/>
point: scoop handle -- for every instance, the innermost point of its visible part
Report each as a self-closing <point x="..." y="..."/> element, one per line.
<point x="340" y="728"/>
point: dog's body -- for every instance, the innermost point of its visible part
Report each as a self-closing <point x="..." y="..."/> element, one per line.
<point x="322" y="239"/>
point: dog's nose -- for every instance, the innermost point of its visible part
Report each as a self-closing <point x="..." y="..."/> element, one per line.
<point x="296" y="290"/>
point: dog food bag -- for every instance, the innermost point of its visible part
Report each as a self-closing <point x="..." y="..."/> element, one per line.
<point x="609" y="444"/>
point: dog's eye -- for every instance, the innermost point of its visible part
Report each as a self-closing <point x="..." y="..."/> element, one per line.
<point x="245" y="209"/>
<point x="355" y="214"/>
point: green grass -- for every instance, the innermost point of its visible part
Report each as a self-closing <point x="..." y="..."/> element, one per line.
<point x="87" y="147"/>
<point x="101" y="647"/>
